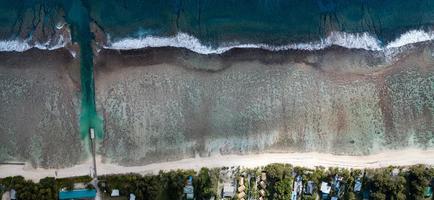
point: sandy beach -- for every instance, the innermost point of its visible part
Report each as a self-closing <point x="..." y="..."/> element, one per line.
<point x="396" y="158"/>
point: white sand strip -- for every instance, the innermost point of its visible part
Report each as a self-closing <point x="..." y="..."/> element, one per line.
<point x="310" y="160"/>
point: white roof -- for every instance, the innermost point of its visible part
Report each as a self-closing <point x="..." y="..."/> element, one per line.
<point x="13" y="194"/>
<point x="325" y="188"/>
<point x="188" y="189"/>
<point x="115" y="193"/>
<point x="228" y="190"/>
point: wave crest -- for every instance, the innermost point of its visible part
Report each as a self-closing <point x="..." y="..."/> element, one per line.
<point x="348" y="40"/>
<point x="20" y="45"/>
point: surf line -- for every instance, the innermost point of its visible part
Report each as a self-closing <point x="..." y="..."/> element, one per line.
<point x="79" y="19"/>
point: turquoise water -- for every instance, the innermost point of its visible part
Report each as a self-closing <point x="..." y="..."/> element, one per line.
<point x="78" y="17"/>
<point x="77" y="194"/>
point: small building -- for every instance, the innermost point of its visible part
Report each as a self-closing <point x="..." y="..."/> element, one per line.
<point x="115" y="193"/>
<point x="83" y="194"/>
<point x="309" y="188"/>
<point x="188" y="188"/>
<point x="263" y="184"/>
<point x="297" y="187"/>
<point x="228" y="190"/>
<point x="263" y="176"/>
<point x="132" y="196"/>
<point x="262" y="192"/>
<point x="325" y="190"/>
<point x="395" y="172"/>
<point x="337" y="182"/>
<point x="427" y="192"/>
<point x="358" y="185"/>
<point x="241" y="195"/>
<point x="13" y="194"/>
<point x="293" y="196"/>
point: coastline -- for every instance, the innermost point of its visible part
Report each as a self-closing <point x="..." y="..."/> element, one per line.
<point x="344" y="70"/>
<point x="337" y="100"/>
<point x="310" y="160"/>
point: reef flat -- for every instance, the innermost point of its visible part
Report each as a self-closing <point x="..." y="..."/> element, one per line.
<point x="164" y="104"/>
<point x="167" y="80"/>
<point x="39" y="95"/>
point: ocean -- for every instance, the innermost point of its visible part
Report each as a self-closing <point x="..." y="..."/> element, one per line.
<point x="276" y="24"/>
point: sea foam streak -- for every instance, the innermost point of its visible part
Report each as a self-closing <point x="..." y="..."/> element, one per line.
<point x="348" y="40"/>
<point x="182" y="40"/>
<point x="24" y="45"/>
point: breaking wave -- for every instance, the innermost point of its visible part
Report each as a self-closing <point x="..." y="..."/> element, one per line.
<point x="182" y="40"/>
<point x="20" y="45"/>
<point x="348" y="40"/>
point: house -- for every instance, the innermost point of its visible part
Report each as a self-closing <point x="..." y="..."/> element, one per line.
<point x="297" y="187"/>
<point x="241" y="189"/>
<point x="395" y="172"/>
<point x="188" y="188"/>
<point x="241" y="195"/>
<point x="427" y="192"/>
<point x="9" y="195"/>
<point x="78" y="194"/>
<point x="228" y="190"/>
<point x="262" y="185"/>
<point x="115" y="193"/>
<point x="309" y="188"/>
<point x="13" y="194"/>
<point x="325" y="190"/>
<point x="263" y="176"/>
<point x="293" y="196"/>
<point x="358" y="185"/>
<point x="337" y="182"/>
<point x="262" y="192"/>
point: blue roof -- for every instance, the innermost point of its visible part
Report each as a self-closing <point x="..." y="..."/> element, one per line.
<point x="77" y="194"/>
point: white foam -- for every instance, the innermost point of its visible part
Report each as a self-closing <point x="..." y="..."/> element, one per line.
<point x="182" y="40"/>
<point x="24" y="45"/>
<point x="411" y="37"/>
<point x="20" y="45"/>
<point x="14" y="45"/>
<point x="348" y="40"/>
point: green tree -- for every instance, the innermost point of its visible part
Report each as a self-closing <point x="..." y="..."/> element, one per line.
<point x="68" y="185"/>
<point x="385" y="186"/>
<point x="283" y="189"/>
<point x="418" y="177"/>
<point x="203" y="187"/>
<point x="275" y="173"/>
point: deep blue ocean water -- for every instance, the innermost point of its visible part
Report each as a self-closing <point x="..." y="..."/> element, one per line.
<point x="262" y="21"/>
<point x="247" y="21"/>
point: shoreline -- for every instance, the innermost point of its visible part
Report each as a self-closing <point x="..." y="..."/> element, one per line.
<point x="310" y="160"/>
